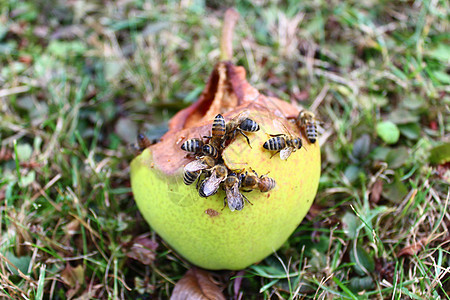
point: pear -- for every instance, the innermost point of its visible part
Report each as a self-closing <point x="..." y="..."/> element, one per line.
<point x="202" y="230"/>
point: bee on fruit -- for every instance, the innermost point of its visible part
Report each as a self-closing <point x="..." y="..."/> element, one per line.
<point x="217" y="132"/>
<point x="266" y="184"/>
<point x="284" y="144"/>
<point x="210" y="150"/>
<point x="251" y="181"/>
<point x="143" y="141"/>
<point x="240" y="124"/>
<point x="190" y="177"/>
<point x="234" y="198"/>
<point x="192" y="145"/>
<point x="307" y="121"/>
<point x="203" y="163"/>
<point x="210" y="185"/>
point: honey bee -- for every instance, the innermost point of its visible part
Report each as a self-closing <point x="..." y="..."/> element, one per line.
<point x="234" y="198"/>
<point x="143" y="141"/>
<point x="251" y="181"/>
<point x="203" y="163"/>
<point x="217" y="132"/>
<point x="266" y="184"/>
<point x="284" y="144"/>
<point x="210" y="185"/>
<point x="190" y="177"/>
<point x="192" y="145"/>
<point x="210" y="150"/>
<point x="306" y="120"/>
<point x="240" y="124"/>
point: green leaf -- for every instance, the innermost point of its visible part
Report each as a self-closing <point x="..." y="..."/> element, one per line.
<point x="411" y="130"/>
<point x="441" y="52"/>
<point x="363" y="261"/>
<point x="352" y="172"/>
<point x="413" y="102"/>
<point x="440" y="154"/>
<point x="443" y="77"/>
<point x="24" y="152"/>
<point x="380" y="153"/>
<point x="351" y="224"/>
<point x="22" y="263"/>
<point x="397" y="157"/>
<point x="26" y="180"/>
<point x="402" y="116"/>
<point x="361" y="147"/>
<point x="318" y="261"/>
<point x="395" y="191"/>
<point x="361" y="283"/>
<point x="388" y="132"/>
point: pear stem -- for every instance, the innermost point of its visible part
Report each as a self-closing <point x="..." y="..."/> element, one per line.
<point x="226" y="41"/>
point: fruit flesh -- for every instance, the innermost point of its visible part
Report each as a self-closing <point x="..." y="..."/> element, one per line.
<point x="212" y="238"/>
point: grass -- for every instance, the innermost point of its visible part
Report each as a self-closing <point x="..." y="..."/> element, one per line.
<point x="78" y="81"/>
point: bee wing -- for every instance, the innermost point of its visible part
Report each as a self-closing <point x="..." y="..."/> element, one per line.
<point x="242" y="116"/>
<point x="195" y="166"/>
<point x="285" y="153"/>
<point x="235" y="200"/>
<point x="211" y="185"/>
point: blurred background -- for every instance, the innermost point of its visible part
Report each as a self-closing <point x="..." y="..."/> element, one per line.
<point x="79" y="79"/>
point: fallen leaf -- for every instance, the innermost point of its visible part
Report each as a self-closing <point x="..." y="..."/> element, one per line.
<point x="412" y="249"/>
<point x="74" y="278"/>
<point x="196" y="284"/>
<point x="143" y="249"/>
<point x="375" y="192"/>
<point x="72" y="227"/>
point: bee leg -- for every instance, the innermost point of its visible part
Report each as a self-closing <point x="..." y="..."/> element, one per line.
<point x="246" y="199"/>
<point x="275" y="135"/>
<point x="224" y="203"/>
<point x="246" y="137"/>
<point x="275" y="154"/>
<point x="207" y="137"/>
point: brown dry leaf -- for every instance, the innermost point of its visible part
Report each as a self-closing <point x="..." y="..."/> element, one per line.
<point x="72" y="227"/>
<point x="376" y="190"/>
<point x="196" y="284"/>
<point x="74" y="278"/>
<point x="143" y="249"/>
<point x="412" y="249"/>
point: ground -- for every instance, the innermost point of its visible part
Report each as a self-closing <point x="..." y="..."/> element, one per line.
<point x="80" y="79"/>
